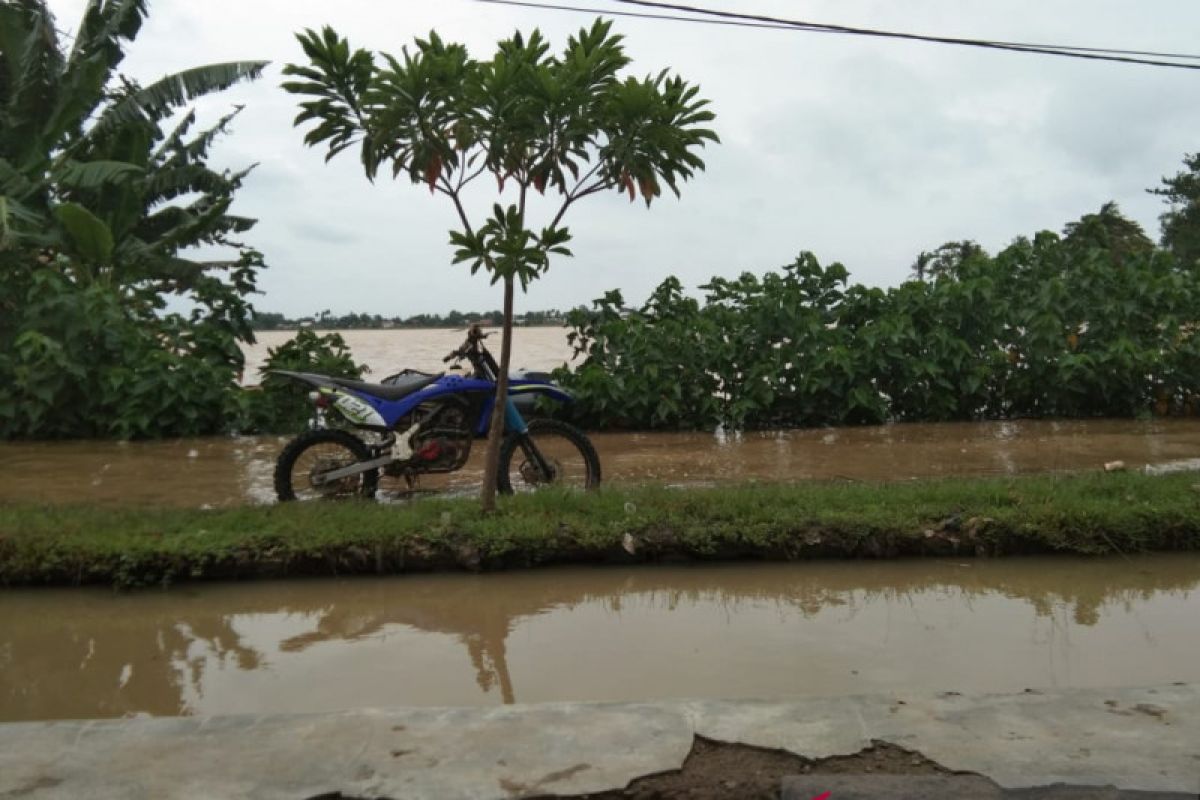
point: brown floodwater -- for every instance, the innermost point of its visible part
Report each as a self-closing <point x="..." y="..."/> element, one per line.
<point x="224" y="471"/>
<point x="601" y="634"/>
<point x="387" y="351"/>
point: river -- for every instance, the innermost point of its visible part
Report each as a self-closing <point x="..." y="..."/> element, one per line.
<point x="387" y="351"/>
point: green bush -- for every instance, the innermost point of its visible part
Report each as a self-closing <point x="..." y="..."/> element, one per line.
<point x="95" y="360"/>
<point x="1076" y="326"/>
<point x="280" y="405"/>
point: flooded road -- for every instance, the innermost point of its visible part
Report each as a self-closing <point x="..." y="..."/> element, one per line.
<point x="612" y="634"/>
<point x="233" y="471"/>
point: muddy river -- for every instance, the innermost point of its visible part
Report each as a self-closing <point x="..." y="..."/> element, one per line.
<point x="388" y="351"/>
<point x="232" y="471"/>
<point x="601" y="634"/>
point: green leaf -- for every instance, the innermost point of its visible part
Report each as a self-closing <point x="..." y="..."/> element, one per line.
<point x="13" y="215"/>
<point x="161" y="98"/>
<point x="90" y="237"/>
<point x="95" y="174"/>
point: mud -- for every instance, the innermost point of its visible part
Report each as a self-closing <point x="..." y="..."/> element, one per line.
<point x="611" y="634"/>
<point x="215" y="472"/>
<point x="724" y="771"/>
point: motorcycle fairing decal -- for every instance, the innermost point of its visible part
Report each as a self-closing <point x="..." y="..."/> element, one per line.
<point x="357" y="410"/>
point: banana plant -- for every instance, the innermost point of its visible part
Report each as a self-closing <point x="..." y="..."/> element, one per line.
<point x="87" y="168"/>
<point x="104" y="191"/>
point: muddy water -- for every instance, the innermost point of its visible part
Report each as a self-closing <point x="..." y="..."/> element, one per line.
<point x="388" y="351"/>
<point x="601" y="634"/>
<point x="233" y="471"/>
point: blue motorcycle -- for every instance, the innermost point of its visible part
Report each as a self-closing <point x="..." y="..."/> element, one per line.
<point x="416" y="423"/>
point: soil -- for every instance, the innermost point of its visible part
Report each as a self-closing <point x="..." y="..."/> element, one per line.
<point x="722" y="771"/>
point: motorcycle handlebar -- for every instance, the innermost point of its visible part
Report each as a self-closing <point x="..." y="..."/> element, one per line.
<point x="475" y="334"/>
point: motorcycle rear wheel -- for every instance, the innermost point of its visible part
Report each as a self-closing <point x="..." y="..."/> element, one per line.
<point x="316" y="451"/>
<point x="565" y="448"/>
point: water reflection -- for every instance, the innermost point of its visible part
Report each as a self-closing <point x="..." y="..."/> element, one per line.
<point x="601" y="634"/>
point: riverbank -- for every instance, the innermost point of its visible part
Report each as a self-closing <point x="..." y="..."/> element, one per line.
<point x="1080" y="514"/>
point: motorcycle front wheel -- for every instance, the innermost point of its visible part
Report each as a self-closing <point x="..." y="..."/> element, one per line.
<point x="566" y="452"/>
<point x="317" y="451"/>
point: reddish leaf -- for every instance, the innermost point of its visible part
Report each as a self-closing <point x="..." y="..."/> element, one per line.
<point x="649" y="188"/>
<point x="627" y="185"/>
<point x="433" y="171"/>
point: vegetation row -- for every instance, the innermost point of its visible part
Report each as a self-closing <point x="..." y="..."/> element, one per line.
<point x="1095" y="322"/>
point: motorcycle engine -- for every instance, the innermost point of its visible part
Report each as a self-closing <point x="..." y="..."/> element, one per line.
<point x="442" y="444"/>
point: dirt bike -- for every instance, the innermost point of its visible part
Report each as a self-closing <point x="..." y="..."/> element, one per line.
<point x="417" y="423"/>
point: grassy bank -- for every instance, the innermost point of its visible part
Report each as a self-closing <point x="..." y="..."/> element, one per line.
<point x="1086" y="514"/>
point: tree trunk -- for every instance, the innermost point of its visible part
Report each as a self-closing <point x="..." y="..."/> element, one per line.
<point x="491" y="467"/>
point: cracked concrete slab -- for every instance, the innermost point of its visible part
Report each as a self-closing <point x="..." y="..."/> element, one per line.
<point x="410" y="753"/>
<point x="1144" y="738"/>
<point x="960" y="787"/>
<point x="1141" y="738"/>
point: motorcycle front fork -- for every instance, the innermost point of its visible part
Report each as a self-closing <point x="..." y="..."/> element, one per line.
<point x="514" y="423"/>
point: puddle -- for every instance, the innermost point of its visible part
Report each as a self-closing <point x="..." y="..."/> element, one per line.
<point x="601" y="634"/>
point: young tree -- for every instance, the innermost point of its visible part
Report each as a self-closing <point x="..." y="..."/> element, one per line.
<point x="567" y="125"/>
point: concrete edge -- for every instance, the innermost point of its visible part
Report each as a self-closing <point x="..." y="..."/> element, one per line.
<point x="1145" y="738"/>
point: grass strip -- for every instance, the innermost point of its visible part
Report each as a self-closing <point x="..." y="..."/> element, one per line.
<point x="1082" y="514"/>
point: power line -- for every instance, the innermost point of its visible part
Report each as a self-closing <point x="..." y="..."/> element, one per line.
<point x="728" y="18"/>
<point x="1068" y="51"/>
<point x="611" y="13"/>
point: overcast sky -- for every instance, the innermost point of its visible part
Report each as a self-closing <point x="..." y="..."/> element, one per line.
<point x="861" y="150"/>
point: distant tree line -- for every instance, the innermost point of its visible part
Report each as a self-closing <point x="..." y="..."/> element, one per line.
<point x="326" y="320"/>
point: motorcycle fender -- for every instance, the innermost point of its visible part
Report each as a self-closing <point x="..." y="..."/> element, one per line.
<point x="544" y="389"/>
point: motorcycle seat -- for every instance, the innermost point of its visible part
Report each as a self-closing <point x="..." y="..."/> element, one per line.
<point x="399" y="389"/>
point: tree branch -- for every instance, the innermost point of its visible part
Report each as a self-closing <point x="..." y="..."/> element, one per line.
<point x="563" y="210"/>
<point x="463" y="179"/>
<point x="462" y="214"/>
<point x="598" y="186"/>
<point x="582" y="180"/>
